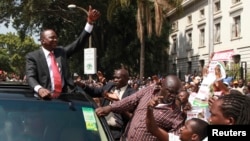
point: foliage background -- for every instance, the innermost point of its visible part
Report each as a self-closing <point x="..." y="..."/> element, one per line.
<point x="116" y="40"/>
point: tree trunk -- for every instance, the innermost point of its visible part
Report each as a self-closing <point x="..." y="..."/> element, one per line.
<point x="142" y="55"/>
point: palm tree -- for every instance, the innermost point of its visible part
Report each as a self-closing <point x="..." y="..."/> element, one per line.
<point x="144" y="19"/>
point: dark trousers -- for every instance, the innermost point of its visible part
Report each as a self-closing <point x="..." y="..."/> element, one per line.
<point x="116" y="132"/>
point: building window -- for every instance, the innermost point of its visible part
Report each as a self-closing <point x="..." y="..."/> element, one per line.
<point x="174" y="69"/>
<point x="202" y="37"/>
<point x="174" y="45"/>
<point x="175" y="26"/>
<point x="236" y="27"/>
<point x="217" y="6"/>
<point x="235" y="1"/>
<point x="217" y="33"/>
<point x="189" y="19"/>
<point x="189" y="68"/>
<point x="202" y="14"/>
<point x="201" y="65"/>
<point x="189" y="39"/>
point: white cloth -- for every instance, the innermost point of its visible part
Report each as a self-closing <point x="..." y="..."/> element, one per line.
<point x="173" y="137"/>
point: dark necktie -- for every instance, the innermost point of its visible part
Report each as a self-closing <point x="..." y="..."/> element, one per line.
<point x="56" y="76"/>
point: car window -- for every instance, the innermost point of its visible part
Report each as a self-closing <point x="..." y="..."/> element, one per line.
<point x="49" y="121"/>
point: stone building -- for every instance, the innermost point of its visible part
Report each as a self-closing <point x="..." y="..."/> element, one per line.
<point x="205" y="26"/>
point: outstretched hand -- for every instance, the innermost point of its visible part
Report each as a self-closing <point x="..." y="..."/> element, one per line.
<point x="111" y="96"/>
<point x="103" y="111"/>
<point x="93" y="15"/>
<point x="154" y="101"/>
<point x="101" y="78"/>
<point x="79" y="83"/>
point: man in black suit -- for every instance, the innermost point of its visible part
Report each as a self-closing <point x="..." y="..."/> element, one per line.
<point x="113" y="91"/>
<point x="38" y="65"/>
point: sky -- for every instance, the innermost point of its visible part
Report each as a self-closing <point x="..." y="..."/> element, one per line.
<point x="5" y="30"/>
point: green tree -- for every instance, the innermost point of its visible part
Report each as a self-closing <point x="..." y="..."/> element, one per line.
<point x="29" y="17"/>
<point x="121" y="45"/>
<point x="13" y="51"/>
<point x="110" y="35"/>
<point x="4" y="60"/>
<point x="145" y="9"/>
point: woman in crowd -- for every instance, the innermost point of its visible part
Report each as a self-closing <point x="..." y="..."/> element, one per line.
<point x="230" y="109"/>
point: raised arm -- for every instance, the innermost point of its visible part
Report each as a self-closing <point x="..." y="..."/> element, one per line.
<point x="152" y="126"/>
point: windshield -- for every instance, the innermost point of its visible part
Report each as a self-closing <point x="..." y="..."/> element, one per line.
<point x="48" y="121"/>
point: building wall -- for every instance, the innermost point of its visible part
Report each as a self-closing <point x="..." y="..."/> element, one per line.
<point x="225" y="16"/>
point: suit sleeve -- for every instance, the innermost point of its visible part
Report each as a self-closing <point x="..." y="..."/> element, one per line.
<point x="94" y="92"/>
<point x="78" y="44"/>
<point x="31" y="71"/>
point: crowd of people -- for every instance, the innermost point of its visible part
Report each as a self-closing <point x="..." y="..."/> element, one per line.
<point x="5" y="76"/>
<point x="160" y="111"/>
<point x="152" y="108"/>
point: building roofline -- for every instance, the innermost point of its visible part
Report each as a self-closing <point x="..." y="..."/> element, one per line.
<point x="183" y="5"/>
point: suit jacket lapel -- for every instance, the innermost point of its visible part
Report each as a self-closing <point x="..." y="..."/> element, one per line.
<point x="126" y="92"/>
<point x="109" y="86"/>
<point x="43" y="61"/>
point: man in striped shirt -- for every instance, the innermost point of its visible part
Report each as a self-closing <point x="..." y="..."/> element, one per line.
<point x="167" y="114"/>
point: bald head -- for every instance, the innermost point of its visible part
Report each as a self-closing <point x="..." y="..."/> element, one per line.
<point x="171" y="86"/>
<point x="172" y="83"/>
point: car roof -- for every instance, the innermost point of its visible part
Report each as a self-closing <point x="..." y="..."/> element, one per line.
<point x="23" y="91"/>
